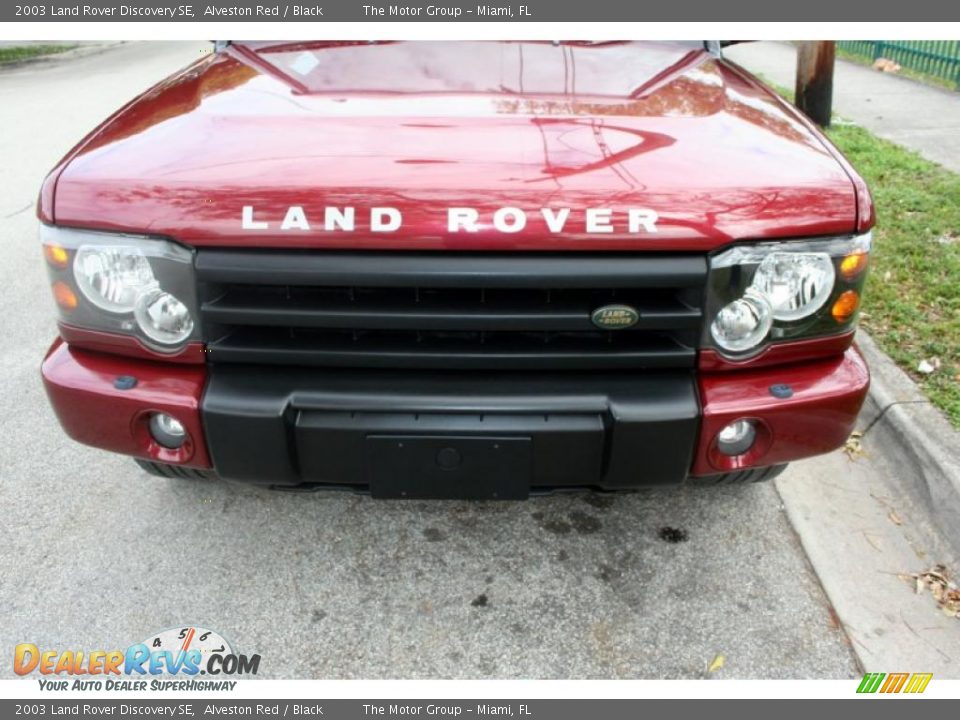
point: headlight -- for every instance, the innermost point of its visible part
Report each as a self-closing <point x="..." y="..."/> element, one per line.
<point x="162" y="317"/>
<point x="112" y="277"/>
<point x="789" y="290"/>
<point x="795" y="284"/>
<point x="123" y="283"/>
<point x="743" y="323"/>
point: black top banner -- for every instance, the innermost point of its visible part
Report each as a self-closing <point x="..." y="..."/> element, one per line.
<point x="433" y="709"/>
<point x="458" y="11"/>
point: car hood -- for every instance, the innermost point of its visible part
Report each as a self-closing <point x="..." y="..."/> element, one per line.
<point x="425" y="127"/>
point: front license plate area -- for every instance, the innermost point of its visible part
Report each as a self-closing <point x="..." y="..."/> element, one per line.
<point x="449" y="467"/>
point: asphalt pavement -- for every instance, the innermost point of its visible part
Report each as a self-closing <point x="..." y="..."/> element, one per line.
<point x="96" y="554"/>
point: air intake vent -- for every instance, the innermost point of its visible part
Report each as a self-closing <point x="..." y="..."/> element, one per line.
<point x="448" y="311"/>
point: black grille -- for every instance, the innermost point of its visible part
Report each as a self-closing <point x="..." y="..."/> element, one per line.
<point x="448" y="311"/>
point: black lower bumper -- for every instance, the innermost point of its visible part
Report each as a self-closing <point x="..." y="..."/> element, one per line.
<point x="449" y="435"/>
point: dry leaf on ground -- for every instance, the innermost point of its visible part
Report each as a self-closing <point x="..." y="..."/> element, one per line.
<point x="716" y="664"/>
<point x="944" y="590"/>
<point x="886" y="65"/>
<point x="853" y="447"/>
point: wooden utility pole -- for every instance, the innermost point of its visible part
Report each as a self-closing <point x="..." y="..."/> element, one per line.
<point x="814" y="90"/>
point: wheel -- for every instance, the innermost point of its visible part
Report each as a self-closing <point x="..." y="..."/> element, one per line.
<point x="739" y="477"/>
<point x="175" y="471"/>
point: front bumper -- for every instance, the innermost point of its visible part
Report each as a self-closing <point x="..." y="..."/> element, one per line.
<point x="422" y="434"/>
<point x="388" y="431"/>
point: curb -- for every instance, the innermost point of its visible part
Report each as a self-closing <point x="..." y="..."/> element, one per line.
<point x="922" y="445"/>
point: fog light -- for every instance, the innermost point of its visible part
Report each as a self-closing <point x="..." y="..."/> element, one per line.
<point x="167" y="431"/>
<point x="736" y="438"/>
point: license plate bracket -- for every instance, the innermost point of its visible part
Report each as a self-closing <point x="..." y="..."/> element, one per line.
<point x="466" y="467"/>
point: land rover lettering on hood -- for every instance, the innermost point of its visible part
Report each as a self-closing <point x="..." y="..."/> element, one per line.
<point x="457" y="270"/>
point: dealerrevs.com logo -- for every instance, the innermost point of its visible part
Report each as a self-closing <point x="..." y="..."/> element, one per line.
<point x="173" y="659"/>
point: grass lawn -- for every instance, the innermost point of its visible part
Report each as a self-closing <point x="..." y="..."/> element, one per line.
<point x="16" y="53"/>
<point x="912" y="299"/>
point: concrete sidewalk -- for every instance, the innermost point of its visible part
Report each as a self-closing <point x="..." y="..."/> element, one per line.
<point x="870" y="521"/>
<point x="917" y="116"/>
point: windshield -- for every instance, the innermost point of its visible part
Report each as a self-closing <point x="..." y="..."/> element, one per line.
<point x="522" y="68"/>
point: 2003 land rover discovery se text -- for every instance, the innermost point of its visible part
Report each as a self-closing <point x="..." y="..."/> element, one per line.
<point x="457" y="270"/>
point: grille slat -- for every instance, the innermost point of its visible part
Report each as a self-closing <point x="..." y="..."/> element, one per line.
<point x="453" y="350"/>
<point x="457" y="311"/>
<point x="449" y="270"/>
<point x="241" y="307"/>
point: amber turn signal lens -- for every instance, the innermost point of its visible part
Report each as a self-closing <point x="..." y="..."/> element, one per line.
<point x="853" y="264"/>
<point x="845" y="306"/>
<point x="64" y="296"/>
<point x="56" y="256"/>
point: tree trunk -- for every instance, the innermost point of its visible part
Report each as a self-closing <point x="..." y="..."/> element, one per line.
<point x="814" y="90"/>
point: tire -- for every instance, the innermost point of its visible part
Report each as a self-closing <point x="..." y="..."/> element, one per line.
<point x="740" y="477"/>
<point x="176" y="472"/>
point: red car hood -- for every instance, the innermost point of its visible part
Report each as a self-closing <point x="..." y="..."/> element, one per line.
<point x="426" y="127"/>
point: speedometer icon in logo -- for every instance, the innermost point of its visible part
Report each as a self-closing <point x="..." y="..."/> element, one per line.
<point x="184" y="639"/>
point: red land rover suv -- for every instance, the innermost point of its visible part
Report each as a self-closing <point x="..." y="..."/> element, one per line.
<point x="457" y="270"/>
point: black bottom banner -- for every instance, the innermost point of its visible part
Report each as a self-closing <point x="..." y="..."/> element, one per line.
<point x="585" y="709"/>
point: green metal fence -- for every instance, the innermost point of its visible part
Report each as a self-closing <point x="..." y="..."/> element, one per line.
<point x="939" y="58"/>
